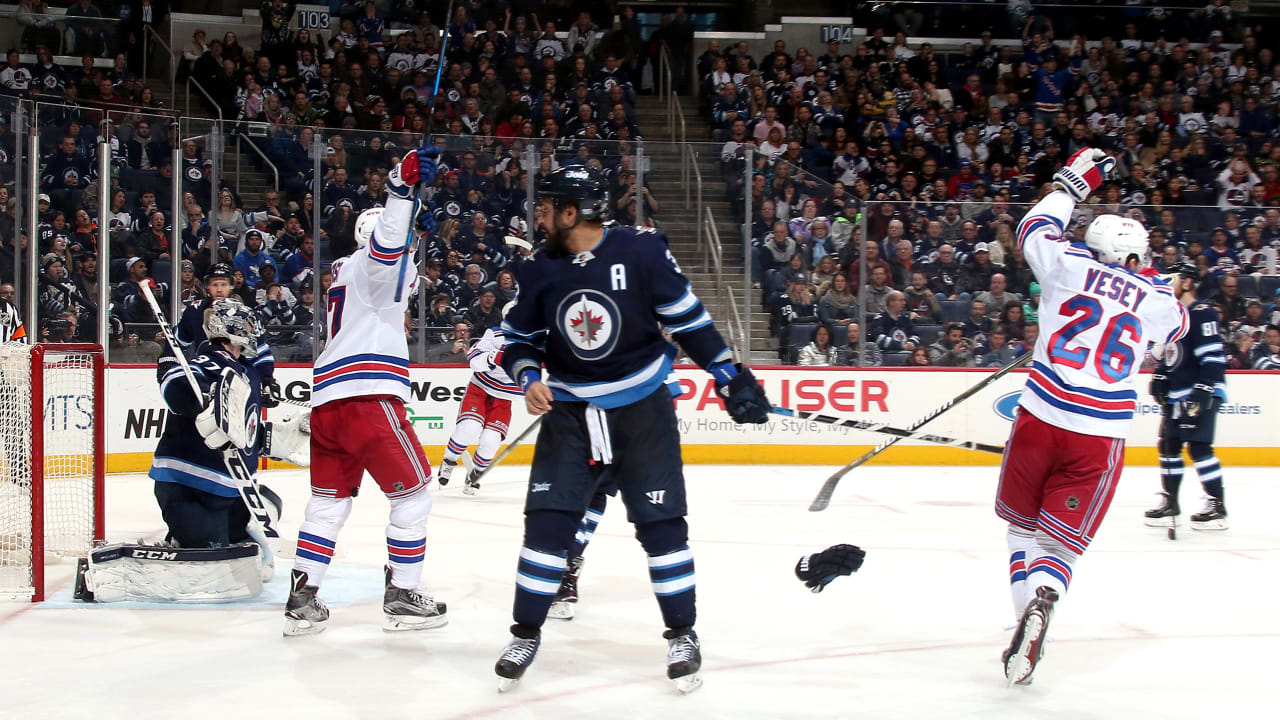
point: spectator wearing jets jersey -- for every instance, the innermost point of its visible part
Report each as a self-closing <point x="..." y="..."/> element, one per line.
<point x="892" y="329"/>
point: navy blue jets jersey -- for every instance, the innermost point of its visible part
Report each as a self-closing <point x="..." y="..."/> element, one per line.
<point x="181" y="455"/>
<point x="595" y="319"/>
<point x="1197" y="357"/>
<point x="190" y="335"/>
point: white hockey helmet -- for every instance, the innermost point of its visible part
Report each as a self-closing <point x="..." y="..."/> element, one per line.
<point x="1113" y="238"/>
<point x="365" y="224"/>
<point x="231" y="320"/>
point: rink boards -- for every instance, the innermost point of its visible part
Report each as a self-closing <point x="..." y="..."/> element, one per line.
<point x="1248" y="431"/>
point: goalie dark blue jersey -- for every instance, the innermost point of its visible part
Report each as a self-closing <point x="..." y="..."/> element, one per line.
<point x="181" y="455"/>
<point x="1197" y="358"/>
<point x="595" y="319"/>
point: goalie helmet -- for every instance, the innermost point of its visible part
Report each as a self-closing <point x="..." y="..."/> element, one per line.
<point x="1113" y="239"/>
<point x="583" y="186"/>
<point x="232" y="320"/>
<point x="365" y="224"/>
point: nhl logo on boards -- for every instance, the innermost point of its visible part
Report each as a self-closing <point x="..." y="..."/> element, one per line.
<point x="1073" y="502"/>
<point x="590" y="321"/>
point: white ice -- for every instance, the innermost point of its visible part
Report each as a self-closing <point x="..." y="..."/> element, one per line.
<point x="1151" y="628"/>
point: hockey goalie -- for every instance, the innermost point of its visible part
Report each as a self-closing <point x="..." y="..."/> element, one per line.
<point x="214" y="551"/>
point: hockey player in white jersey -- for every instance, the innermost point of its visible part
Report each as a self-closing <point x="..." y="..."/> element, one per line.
<point x="359" y="386"/>
<point x="1066" y="451"/>
<point x="485" y="415"/>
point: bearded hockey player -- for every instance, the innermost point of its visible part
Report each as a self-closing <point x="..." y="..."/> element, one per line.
<point x="590" y="308"/>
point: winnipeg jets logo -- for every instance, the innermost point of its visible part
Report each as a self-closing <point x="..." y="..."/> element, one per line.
<point x="1173" y="355"/>
<point x="589" y="321"/>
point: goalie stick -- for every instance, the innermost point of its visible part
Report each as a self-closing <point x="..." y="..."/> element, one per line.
<point x="886" y="429"/>
<point x="823" y="498"/>
<point x="259" y="520"/>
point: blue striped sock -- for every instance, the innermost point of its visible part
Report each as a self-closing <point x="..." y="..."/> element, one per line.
<point x="537" y="579"/>
<point x="1171" y="474"/>
<point x="673" y="583"/>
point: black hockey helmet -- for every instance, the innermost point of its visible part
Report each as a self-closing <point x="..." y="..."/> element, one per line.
<point x="1183" y="269"/>
<point x="220" y="270"/>
<point x="583" y="185"/>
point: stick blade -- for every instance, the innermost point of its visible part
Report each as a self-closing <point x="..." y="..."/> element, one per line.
<point x="823" y="498"/>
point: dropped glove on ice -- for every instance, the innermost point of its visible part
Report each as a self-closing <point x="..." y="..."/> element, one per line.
<point x="820" y="568"/>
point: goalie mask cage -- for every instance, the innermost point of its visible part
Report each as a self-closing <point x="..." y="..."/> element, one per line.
<point x="52" y="428"/>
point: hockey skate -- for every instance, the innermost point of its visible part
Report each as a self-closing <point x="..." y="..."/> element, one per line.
<point x="1212" y="517"/>
<point x="684" y="658"/>
<point x="516" y="657"/>
<point x="473" y="483"/>
<point x="304" y="613"/>
<point x="446" y="471"/>
<point x="567" y="596"/>
<point x="1026" y="649"/>
<point x="1165" y="514"/>
<point x="409" y="609"/>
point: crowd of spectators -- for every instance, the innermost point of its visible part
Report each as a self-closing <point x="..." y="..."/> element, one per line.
<point x="936" y="157"/>
<point x="517" y="75"/>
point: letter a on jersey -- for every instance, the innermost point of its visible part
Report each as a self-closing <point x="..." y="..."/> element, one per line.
<point x="590" y="322"/>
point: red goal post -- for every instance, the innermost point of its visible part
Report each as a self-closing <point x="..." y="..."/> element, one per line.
<point x="52" y="433"/>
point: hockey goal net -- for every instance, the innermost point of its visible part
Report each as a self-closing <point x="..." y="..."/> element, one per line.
<point x="51" y="468"/>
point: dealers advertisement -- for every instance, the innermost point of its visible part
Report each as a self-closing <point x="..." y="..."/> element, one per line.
<point x="1246" y="425"/>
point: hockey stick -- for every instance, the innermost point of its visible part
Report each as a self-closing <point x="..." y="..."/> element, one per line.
<point x="514" y="444"/>
<point x="888" y="430"/>
<point x="823" y="498"/>
<point x="259" y="518"/>
<point x="426" y="137"/>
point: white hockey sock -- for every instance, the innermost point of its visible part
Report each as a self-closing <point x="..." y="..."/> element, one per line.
<point x="1022" y="544"/>
<point x="1049" y="563"/>
<point x="487" y="447"/>
<point x="407" y="538"/>
<point x="464" y="434"/>
<point x="318" y="535"/>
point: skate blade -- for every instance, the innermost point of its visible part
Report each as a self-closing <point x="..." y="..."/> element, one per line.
<point x="507" y="684"/>
<point x="688" y="683"/>
<point x="468" y="490"/>
<point x="1019" y="666"/>
<point x="1161" y="522"/>
<point x="410" y="623"/>
<point x="1210" y="525"/>
<point x="561" y="611"/>
<point x="294" y="627"/>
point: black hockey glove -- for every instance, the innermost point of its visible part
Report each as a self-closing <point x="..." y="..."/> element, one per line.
<point x="1160" y="388"/>
<point x="270" y="392"/>
<point x="1199" y="404"/>
<point x="820" y="568"/>
<point x="744" y="398"/>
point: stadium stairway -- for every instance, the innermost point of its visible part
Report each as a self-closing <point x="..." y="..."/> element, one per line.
<point x="681" y="224"/>
<point x="252" y="183"/>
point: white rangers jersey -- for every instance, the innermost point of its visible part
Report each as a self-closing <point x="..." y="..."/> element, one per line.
<point x="484" y="359"/>
<point x="1095" y="323"/>
<point x="367" y="352"/>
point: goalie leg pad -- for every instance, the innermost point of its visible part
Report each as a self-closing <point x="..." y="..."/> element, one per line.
<point x="156" y="573"/>
<point x="318" y="535"/>
<point x="407" y="538"/>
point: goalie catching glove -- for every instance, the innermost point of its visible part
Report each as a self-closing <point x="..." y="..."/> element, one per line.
<point x="820" y="568"/>
<point x="1084" y="172"/>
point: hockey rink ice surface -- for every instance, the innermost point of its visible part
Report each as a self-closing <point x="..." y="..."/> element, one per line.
<point x="1151" y="628"/>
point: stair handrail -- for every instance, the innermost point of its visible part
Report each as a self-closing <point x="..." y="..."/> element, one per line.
<point x="173" y="61"/>
<point x="689" y="159"/>
<point x="216" y="107"/>
<point x="249" y="141"/>
<point x="712" y="250"/>
<point x="738" y="337"/>
<point x="665" y="88"/>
